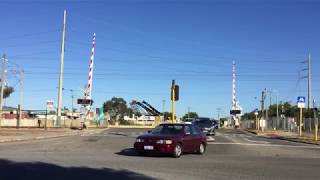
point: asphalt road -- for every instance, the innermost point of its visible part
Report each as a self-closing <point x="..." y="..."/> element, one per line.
<point x="109" y="155"/>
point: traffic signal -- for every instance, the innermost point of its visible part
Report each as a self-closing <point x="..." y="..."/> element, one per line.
<point x="176" y="93"/>
<point x="235" y="112"/>
<point x="85" y="101"/>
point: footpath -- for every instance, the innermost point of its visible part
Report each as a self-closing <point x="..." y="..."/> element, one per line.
<point x="285" y="135"/>
<point x="25" y="134"/>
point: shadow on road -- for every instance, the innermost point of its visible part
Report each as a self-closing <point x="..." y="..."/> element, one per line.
<point x="132" y="152"/>
<point x="128" y="152"/>
<point x="40" y="171"/>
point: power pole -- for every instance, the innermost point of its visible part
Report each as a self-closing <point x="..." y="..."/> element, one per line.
<point x="21" y="87"/>
<point x="61" y="69"/>
<point x="188" y="112"/>
<point x="72" y="102"/>
<point x="163" y="105"/>
<point x="2" y="84"/>
<point x="277" y="110"/>
<point x="267" y="113"/>
<point x="262" y="104"/>
<point x="218" y="111"/>
<point x="269" y="108"/>
<point x="309" y="82"/>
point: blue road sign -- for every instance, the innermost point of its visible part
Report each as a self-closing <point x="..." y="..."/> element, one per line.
<point x="301" y="99"/>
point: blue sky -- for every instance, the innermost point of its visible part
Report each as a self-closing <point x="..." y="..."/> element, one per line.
<point x="142" y="45"/>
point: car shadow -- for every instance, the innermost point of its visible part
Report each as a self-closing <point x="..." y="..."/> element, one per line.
<point x="132" y="152"/>
<point x="40" y="171"/>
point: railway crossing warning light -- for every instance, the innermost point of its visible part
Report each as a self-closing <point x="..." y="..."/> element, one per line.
<point x="85" y="101"/>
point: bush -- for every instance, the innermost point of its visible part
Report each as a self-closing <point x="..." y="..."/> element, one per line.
<point x="124" y="122"/>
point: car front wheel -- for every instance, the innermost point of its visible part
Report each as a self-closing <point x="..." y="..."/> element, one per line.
<point x="177" y="151"/>
<point x="202" y="148"/>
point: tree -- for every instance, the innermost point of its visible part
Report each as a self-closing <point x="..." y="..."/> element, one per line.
<point x="65" y="108"/>
<point x="116" y="107"/>
<point x="190" y="115"/>
<point x="168" y="115"/>
<point x="7" y="91"/>
<point x="248" y="116"/>
<point x="134" y="108"/>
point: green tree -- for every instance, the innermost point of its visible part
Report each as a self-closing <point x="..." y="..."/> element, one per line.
<point x="65" y="108"/>
<point x="191" y="115"/>
<point x="168" y="115"/>
<point x="116" y="107"/>
<point x="7" y="91"/>
<point x="248" y="116"/>
<point x="134" y="109"/>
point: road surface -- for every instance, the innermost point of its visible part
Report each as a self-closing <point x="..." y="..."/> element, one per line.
<point x="233" y="155"/>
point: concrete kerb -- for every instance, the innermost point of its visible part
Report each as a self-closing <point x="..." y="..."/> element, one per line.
<point x="131" y="127"/>
<point x="283" y="138"/>
<point x="84" y="132"/>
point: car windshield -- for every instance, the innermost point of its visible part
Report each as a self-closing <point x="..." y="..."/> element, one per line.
<point x="202" y="119"/>
<point x="168" y="129"/>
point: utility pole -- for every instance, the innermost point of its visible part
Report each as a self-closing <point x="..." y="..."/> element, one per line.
<point x="309" y="82"/>
<point x="269" y="109"/>
<point x="188" y="112"/>
<point x="21" y="87"/>
<point x="71" y="90"/>
<point x="61" y="69"/>
<point x="218" y="111"/>
<point x="2" y="84"/>
<point x="267" y="113"/>
<point x="262" y="104"/>
<point x="277" y="109"/>
<point x="163" y="105"/>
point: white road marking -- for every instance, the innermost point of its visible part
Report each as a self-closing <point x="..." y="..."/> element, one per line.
<point x="264" y="145"/>
<point x="253" y="141"/>
<point x="210" y="139"/>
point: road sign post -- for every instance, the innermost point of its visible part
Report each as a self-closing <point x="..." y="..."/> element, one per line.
<point x="301" y="102"/>
<point x="316" y="130"/>
<point x="49" y="106"/>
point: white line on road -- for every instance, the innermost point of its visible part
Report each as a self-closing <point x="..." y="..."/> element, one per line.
<point x="264" y="142"/>
<point x="265" y="145"/>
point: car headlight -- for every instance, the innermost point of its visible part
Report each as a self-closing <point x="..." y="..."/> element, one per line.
<point x="139" y="140"/>
<point x="161" y="141"/>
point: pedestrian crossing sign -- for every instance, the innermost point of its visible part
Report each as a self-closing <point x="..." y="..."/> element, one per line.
<point x="301" y="102"/>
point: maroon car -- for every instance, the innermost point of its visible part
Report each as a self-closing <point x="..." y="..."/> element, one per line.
<point x="172" y="139"/>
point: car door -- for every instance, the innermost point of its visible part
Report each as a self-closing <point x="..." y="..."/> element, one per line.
<point x="187" y="140"/>
<point x="196" y="138"/>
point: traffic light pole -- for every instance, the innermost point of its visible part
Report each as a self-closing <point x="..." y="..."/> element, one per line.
<point x="173" y="99"/>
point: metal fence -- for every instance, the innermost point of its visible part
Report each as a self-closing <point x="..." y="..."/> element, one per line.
<point x="286" y="124"/>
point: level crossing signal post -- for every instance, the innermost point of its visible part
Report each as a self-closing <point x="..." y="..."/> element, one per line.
<point x="256" y="113"/>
